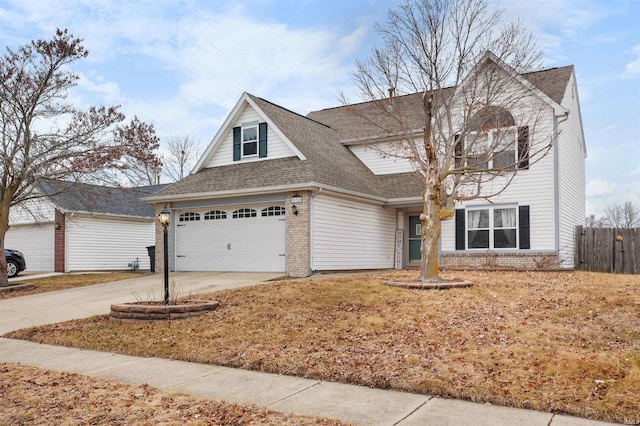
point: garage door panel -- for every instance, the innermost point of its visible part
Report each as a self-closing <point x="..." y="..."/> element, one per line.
<point x="36" y="242"/>
<point x="240" y="244"/>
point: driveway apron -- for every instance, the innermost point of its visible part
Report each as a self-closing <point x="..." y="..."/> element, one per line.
<point x="83" y="302"/>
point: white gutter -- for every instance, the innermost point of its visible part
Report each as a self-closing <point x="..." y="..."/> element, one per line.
<point x="259" y="191"/>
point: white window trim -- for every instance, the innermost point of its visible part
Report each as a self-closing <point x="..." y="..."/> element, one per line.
<point x="215" y="215"/>
<point x="189" y="217"/>
<point x="491" y="228"/>
<point x="244" y="213"/>
<point x="273" y="211"/>
<point x="249" y="125"/>
<point x="473" y="136"/>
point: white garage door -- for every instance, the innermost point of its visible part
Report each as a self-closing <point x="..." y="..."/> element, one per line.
<point x="245" y="239"/>
<point x="36" y="242"/>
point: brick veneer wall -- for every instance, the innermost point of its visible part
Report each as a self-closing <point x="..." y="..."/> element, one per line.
<point x="525" y="261"/>
<point x="59" y="241"/>
<point x="298" y="236"/>
<point x="160" y="241"/>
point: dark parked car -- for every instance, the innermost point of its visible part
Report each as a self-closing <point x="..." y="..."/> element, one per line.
<point x="15" y="262"/>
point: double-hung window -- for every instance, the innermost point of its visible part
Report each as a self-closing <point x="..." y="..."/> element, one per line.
<point x="492" y="228"/>
<point x="250" y="139"/>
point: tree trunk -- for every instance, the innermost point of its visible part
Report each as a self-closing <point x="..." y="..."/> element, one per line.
<point x="430" y="220"/>
<point x="430" y="216"/>
<point x="4" y="226"/>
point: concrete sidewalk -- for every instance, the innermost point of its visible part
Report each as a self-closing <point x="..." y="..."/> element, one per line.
<point x="356" y="404"/>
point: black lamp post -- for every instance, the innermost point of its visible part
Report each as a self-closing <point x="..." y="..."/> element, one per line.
<point x="164" y="217"/>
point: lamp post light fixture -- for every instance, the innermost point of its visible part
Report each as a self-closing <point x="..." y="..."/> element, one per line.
<point x="164" y="217"/>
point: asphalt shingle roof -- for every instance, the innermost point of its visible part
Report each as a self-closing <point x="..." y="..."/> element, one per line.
<point x="367" y="120"/>
<point x="319" y="137"/>
<point x="87" y="198"/>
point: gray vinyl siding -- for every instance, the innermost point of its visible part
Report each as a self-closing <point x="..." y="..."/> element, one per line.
<point x="351" y="235"/>
<point x="383" y="158"/>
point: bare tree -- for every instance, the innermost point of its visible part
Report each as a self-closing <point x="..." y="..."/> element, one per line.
<point x="592" y="221"/>
<point x="477" y="116"/>
<point x="625" y="215"/>
<point x="43" y="136"/>
<point x="182" y="153"/>
<point x="138" y="163"/>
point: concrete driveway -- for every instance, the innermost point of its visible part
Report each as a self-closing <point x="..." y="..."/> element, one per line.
<point x="82" y="302"/>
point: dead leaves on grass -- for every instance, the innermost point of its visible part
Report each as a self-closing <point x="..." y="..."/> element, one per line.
<point x="32" y="396"/>
<point x="532" y="340"/>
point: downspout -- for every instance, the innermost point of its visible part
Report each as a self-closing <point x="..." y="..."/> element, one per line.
<point x="556" y="178"/>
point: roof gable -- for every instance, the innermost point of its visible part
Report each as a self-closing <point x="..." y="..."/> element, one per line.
<point x="491" y="58"/>
<point x="224" y="136"/>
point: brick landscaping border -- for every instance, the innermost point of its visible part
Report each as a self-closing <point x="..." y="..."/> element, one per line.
<point x="157" y="311"/>
<point x="436" y="285"/>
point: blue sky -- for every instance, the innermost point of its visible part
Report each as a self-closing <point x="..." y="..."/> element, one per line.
<point x="182" y="65"/>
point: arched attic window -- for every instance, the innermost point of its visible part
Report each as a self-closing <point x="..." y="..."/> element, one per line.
<point x="493" y="142"/>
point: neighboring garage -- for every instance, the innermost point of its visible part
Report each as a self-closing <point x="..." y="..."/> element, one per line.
<point x="107" y="244"/>
<point x="81" y="227"/>
<point x="237" y="238"/>
<point x="36" y="241"/>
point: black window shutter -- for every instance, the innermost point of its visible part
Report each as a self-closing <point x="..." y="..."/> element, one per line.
<point x="525" y="242"/>
<point x="236" y="144"/>
<point x="523" y="147"/>
<point x="458" y="152"/>
<point x="262" y="150"/>
<point x="460" y="229"/>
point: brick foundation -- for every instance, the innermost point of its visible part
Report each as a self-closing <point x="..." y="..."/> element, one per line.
<point x="492" y="260"/>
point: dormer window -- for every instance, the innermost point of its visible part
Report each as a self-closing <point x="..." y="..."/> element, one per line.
<point x="249" y="139"/>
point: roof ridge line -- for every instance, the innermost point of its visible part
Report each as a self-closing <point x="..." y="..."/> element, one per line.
<point x="288" y="110"/>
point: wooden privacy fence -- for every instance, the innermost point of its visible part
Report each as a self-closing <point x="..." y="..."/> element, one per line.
<point x="615" y="250"/>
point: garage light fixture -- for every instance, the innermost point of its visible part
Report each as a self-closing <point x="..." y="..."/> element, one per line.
<point x="164" y="217"/>
<point x="294" y="209"/>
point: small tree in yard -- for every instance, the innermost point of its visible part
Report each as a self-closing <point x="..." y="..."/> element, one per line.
<point x="45" y="137"/>
<point x="474" y="121"/>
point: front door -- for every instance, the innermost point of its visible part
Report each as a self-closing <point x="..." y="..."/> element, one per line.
<point x="415" y="229"/>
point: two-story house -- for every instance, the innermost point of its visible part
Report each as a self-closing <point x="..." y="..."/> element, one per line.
<point x="278" y="191"/>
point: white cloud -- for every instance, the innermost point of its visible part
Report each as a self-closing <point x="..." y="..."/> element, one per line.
<point x="207" y="55"/>
<point x="633" y="68"/>
<point x="600" y="188"/>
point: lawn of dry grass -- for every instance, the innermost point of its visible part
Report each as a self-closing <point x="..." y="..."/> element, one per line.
<point x="558" y="342"/>
<point x="63" y="282"/>
<point x="33" y="396"/>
